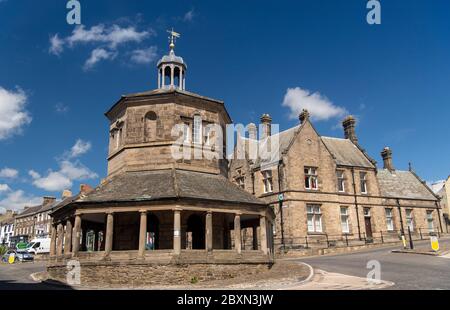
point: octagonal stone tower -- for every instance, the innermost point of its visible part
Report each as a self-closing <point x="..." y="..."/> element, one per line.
<point x="142" y="125"/>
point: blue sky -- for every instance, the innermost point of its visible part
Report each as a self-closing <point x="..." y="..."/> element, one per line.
<point x="258" y="56"/>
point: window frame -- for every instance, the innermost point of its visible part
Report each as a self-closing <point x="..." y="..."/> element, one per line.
<point x="389" y="219"/>
<point x="267" y="181"/>
<point x="340" y="180"/>
<point x="363" y="182"/>
<point x="430" y="220"/>
<point x="409" y="219"/>
<point x="345" y="216"/>
<point x="197" y="135"/>
<point x="314" y="215"/>
<point x="311" y="177"/>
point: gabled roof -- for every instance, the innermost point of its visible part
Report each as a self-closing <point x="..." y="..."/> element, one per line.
<point x="166" y="184"/>
<point x="402" y="184"/>
<point x="29" y="211"/>
<point x="346" y="153"/>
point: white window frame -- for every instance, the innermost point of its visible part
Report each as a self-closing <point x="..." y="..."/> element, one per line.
<point x="389" y="219"/>
<point x="345" y="224"/>
<point x="409" y="219"/>
<point x="314" y="218"/>
<point x="430" y="221"/>
<point x="240" y="181"/>
<point x="186" y="132"/>
<point x="311" y="178"/>
<point x="197" y="129"/>
<point x="267" y="181"/>
<point x="340" y="175"/>
<point x="363" y="182"/>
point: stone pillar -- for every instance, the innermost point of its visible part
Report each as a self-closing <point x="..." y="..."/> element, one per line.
<point x="237" y="233"/>
<point x="177" y="232"/>
<point x="163" y="80"/>
<point x="76" y="236"/>
<point x="142" y="234"/>
<point x="172" y="79"/>
<point x="209" y="232"/>
<point x="109" y="233"/>
<point x="263" y="232"/>
<point x="255" y="237"/>
<point x="60" y="238"/>
<point x="68" y="238"/>
<point x="159" y="78"/>
<point x="53" y="241"/>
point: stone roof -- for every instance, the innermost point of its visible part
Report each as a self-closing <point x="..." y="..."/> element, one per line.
<point x="402" y="184"/>
<point x="166" y="184"/>
<point x="171" y="58"/>
<point x="346" y="153"/>
<point x="38" y="209"/>
<point x="8" y="221"/>
<point x="159" y="91"/>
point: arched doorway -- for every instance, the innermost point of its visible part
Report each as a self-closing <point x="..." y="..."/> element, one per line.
<point x="152" y="241"/>
<point x="196" y="226"/>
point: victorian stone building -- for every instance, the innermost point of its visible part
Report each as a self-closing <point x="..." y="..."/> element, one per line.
<point x="328" y="191"/>
<point x="166" y="211"/>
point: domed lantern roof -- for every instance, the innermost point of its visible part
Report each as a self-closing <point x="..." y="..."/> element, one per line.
<point x="172" y="68"/>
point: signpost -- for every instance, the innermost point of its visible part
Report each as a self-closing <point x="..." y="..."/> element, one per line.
<point x="12" y="258"/>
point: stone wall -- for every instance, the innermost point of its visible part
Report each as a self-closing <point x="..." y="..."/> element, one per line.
<point x="137" y="275"/>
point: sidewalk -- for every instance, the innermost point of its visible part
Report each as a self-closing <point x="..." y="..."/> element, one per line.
<point x="424" y="248"/>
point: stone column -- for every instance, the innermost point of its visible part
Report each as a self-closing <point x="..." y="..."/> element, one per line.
<point x="237" y="233"/>
<point x="142" y="234"/>
<point x="177" y="232"/>
<point x="172" y="79"/>
<point x="255" y="237"/>
<point x="109" y="233"/>
<point x="76" y="236"/>
<point x="159" y="78"/>
<point x="53" y="241"/>
<point x="163" y="80"/>
<point x="60" y="236"/>
<point x="68" y="238"/>
<point x="180" y="80"/>
<point x="263" y="232"/>
<point x="209" y="232"/>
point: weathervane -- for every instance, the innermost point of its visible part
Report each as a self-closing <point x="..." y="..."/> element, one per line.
<point x="172" y="38"/>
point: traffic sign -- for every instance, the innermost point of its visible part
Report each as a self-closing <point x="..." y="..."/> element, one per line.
<point x="280" y="197"/>
<point x="434" y="243"/>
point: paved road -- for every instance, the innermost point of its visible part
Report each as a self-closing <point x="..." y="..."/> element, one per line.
<point x="17" y="276"/>
<point x="407" y="271"/>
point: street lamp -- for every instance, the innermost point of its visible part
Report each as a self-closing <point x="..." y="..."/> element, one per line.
<point x="34" y="226"/>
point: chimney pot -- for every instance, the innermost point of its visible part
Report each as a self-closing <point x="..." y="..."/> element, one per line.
<point x="349" y="124"/>
<point x="66" y="194"/>
<point x="386" y="154"/>
<point x="303" y="116"/>
<point x="48" y="200"/>
<point x="85" y="189"/>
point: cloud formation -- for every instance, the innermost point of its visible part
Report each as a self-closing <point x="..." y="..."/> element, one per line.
<point x="320" y="107"/>
<point x="80" y="147"/>
<point x="189" y="16"/>
<point x="13" y="115"/>
<point x="144" y="56"/>
<point x="4" y="188"/>
<point x="8" y="173"/>
<point x="106" y="41"/>
<point x="17" y="200"/>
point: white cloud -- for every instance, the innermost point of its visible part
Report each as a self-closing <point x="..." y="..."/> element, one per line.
<point x="17" y="200"/>
<point x="80" y="147"/>
<point x="13" y="116"/>
<point x="56" y="45"/>
<point x="320" y="107"/>
<point x="98" y="55"/>
<point x="8" y="173"/>
<point x="4" y="188"/>
<point x="189" y="16"/>
<point x="144" y="56"/>
<point x="61" y="108"/>
<point x="62" y="179"/>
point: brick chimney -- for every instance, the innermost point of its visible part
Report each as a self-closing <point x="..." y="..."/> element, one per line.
<point x="85" y="189"/>
<point x="48" y="200"/>
<point x="349" y="124"/>
<point x="66" y="194"/>
<point x="266" y="124"/>
<point x="387" y="159"/>
<point x="303" y="116"/>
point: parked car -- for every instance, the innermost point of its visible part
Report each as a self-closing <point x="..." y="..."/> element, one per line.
<point x="21" y="256"/>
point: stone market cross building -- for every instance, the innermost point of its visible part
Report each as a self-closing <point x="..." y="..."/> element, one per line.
<point x="157" y="218"/>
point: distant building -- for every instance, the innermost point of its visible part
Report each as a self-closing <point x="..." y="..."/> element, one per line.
<point x="442" y="190"/>
<point x="6" y="231"/>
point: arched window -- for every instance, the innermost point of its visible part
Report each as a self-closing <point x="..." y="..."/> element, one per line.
<point x="176" y="77"/>
<point x="150" y="126"/>
<point x="167" y="76"/>
<point x="197" y="129"/>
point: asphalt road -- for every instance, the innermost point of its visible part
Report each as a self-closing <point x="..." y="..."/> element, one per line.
<point x="17" y="276"/>
<point x="407" y="271"/>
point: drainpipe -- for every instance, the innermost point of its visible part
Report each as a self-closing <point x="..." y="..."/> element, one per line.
<point x="439" y="216"/>
<point x="401" y="217"/>
<point x="253" y="182"/>
<point x="280" y="203"/>
<point x="356" y="203"/>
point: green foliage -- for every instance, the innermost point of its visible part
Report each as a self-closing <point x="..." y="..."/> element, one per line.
<point x="3" y="250"/>
<point x="194" y="280"/>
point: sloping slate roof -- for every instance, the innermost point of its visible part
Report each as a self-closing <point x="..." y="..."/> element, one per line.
<point x="29" y="211"/>
<point x="402" y="184"/>
<point x="346" y="153"/>
<point x="154" y="185"/>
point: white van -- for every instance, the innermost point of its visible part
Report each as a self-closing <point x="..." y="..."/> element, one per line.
<point x="39" y="246"/>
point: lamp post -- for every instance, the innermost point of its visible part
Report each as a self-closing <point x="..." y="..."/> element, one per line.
<point x="34" y="227"/>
